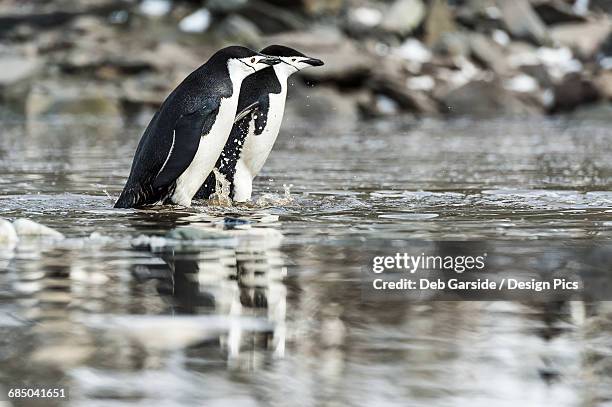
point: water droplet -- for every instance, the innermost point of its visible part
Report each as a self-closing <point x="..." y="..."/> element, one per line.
<point x="222" y="189"/>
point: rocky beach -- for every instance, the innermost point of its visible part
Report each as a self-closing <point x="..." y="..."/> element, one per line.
<point x="483" y="58"/>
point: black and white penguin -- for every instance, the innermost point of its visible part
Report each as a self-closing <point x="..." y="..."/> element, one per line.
<point x="182" y="142"/>
<point x="261" y="108"/>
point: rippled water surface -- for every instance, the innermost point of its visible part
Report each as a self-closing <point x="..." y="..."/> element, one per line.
<point x="260" y="304"/>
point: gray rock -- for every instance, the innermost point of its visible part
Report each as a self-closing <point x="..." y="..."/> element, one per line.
<point x="574" y="90"/>
<point x="22" y="33"/>
<point x="418" y="102"/>
<point x="528" y="90"/>
<point x="91" y="43"/>
<point x="522" y="22"/>
<point x="489" y="53"/>
<point x="324" y="106"/>
<point x="90" y="26"/>
<point x="393" y="84"/>
<point x="483" y="14"/>
<point x="585" y="39"/>
<point x="319" y="7"/>
<point x="604" y="6"/>
<point x="81" y="58"/>
<point x="172" y="57"/>
<point x="225" y="6"/>
<point x="540" y="73"/>
<point x="146" y="90"/>
<point x="440" y="21"/>
<point x="603" y="82"/>
<point x="237" y="29"/>
<point x="392" y="81"/>
<point x="521" y="53"/>
<point x="404" y="16"/>
<point x="16" y="76"/>
<point x="486" y="99"/>
<point x="51" y="14"/>
<point x="556" y="12"/>
<point x="172" y="62"/>
<point x="599" y="112"/>
<point x="453" y="44"/>
<point x="372" y="105"/>
<point x="272" y="19"/>
<point x="72" y="98"/>
<point x="344" y="61"/>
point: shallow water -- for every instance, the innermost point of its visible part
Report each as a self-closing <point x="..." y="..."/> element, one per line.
<point x="260" y="304"/>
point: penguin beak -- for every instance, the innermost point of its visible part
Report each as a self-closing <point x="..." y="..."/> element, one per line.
<point x="313" y="62"/>
<point x="269" y="61"/>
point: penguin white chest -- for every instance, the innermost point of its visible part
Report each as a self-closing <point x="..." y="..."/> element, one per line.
<point x="210" y="147"/>
<point x="257" y="148"/>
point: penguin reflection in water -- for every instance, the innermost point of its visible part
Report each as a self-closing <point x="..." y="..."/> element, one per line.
<point x="260" y="113"/>
<point x="180" y="146"/>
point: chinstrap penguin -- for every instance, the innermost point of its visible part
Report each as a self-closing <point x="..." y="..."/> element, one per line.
<point x="260" y="113"/>
<point x="182" y="142"/>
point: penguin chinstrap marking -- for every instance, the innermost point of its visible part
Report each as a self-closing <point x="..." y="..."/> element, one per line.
<point x="186" y="136"/>
<point x="260" y="114"/>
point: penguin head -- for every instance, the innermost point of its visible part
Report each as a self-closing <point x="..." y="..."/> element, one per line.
<point x="242" y="62"/>
<point x="292" y="60"/>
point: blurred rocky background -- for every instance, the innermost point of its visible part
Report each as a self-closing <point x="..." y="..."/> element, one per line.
<point x="120" y="58"/>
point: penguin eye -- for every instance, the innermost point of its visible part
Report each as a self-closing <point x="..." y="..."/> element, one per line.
<point x="293" y="60"/>
<point x="252" y="60"/>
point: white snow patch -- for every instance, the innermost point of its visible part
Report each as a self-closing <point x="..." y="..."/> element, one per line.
<point x="367" y="16"/>
<point x="26" y="227"/>
<point x="386" y="105"/>
<point x="501" y="37"/>
<point x="155" y="8"/>
<point x="522" y="83"/>
<point x="196" y="22"/>
<point x="423" y="82"/>
<point x="413" y="50"/>
<point x="8" y="235"/>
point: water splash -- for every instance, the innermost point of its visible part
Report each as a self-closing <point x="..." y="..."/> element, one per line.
<point x="221" y="196"/>
<point x="275" y="199"/>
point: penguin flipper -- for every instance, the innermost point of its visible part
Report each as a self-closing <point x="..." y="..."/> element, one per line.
<point x="260" y="107"/>
<point x="134" y="197"/>
<point x="208" y="187"/>
<point x="246" y="111"/>
<point x="188" y="130"/>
